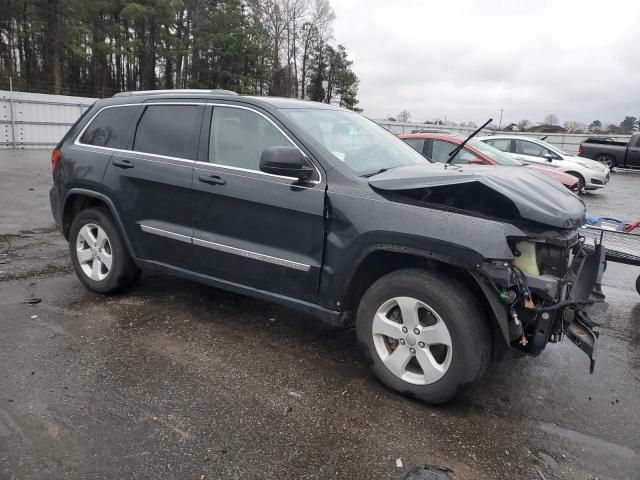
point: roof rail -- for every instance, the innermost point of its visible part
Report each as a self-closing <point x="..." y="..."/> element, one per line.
<point x="215" y="91"/>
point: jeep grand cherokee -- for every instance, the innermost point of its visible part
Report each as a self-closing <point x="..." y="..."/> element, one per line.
<point x="441" y="268"/>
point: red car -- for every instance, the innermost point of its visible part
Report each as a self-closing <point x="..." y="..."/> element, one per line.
<point x="436" y="146"/>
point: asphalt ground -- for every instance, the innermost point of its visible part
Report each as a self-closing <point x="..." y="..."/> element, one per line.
<point x="178" y="380"/>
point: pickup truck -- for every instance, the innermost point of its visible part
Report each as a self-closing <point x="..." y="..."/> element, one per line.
<point x="439" y="267"/>
<point x="612" y="153"/>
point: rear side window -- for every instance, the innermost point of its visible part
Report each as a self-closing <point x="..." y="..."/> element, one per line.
<point x="169" y="130"/>
<point x="111" y="128"/>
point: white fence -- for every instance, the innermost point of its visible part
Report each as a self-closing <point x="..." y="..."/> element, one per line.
<point x="34" y="120"/>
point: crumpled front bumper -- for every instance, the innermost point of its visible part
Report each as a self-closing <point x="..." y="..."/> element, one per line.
<point x="536" y="309"/>
<point x="586" y="293"/>
<point x="579" y="302"/>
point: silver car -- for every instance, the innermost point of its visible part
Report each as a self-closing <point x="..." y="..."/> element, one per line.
<point x="591" y="175"/>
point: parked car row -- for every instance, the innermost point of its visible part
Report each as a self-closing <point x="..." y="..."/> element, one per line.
<point x="437" y="147"/>
<point x="574" y="172"/>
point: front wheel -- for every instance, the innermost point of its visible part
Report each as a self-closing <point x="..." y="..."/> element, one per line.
<point x="581" y="182"/>
<point x="423" y="334"/>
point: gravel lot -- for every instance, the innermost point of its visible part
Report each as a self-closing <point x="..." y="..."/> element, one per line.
<point x="178" y="380"/>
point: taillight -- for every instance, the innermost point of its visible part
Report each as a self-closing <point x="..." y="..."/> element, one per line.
<point x="55" y="156"/>
<point x="580" y="150"/>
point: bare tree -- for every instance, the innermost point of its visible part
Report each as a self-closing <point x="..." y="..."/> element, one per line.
<point x="314" y="31"/>
<point x="551" y="119"/>
<point x="524" y="124"/>
<point x="403" y="116"/>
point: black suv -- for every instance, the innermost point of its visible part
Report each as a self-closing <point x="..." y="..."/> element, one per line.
<point x="441" y="268"/>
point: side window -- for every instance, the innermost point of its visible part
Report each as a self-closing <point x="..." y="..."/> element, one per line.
<point x="239" y="136"/>
<point x="440" y="150"/>
<point x="416" y="143"/>
<point x="169" y="130"/>
<point x="529" y="148"/>
<point x="440" y="153"/>
<point x="111" y="128"/>
<point x="503" y="144"/>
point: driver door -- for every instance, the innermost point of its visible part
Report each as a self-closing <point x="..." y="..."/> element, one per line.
<point x="249" y="227"/>
<point x="531" y="152"/>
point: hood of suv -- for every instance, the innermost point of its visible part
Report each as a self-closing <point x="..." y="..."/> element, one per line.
<point x="507" y="193"/>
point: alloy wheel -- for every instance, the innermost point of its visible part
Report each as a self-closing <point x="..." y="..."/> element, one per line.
<point x="94" y="253"/>
<point x="412" y="340"/>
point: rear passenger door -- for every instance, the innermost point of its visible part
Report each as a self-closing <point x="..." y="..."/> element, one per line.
<point x="150" y="181"/>
<point x="256" y="229"/>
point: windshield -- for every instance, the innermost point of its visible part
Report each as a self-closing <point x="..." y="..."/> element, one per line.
<point x="493" y="153"/>
<point x="356" y="141"/>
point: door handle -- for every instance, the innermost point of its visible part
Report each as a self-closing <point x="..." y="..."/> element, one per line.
<point x="211" y="179"/>
<point x="123" y="163"/>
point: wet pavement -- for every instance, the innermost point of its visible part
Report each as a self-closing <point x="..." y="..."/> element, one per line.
<point x="179" y="380"/>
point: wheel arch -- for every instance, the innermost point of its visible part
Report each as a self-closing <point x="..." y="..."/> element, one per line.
<point x="79" y="199"/>
<point x="387" y="259"/>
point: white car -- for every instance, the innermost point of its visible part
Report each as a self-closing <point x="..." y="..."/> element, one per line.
<point x="591" y="175"/>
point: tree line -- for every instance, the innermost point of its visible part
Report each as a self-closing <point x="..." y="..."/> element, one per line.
<point x="99" y="47"/>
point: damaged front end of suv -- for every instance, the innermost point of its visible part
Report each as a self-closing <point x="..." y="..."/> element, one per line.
<point x="549" y="285"/>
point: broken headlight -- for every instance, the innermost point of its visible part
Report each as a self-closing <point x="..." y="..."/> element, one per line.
<point x="537" y="257"/>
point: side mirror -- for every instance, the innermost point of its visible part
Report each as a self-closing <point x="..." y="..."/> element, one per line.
<point x="285" y="161"/>
<point x="548" y="156"/>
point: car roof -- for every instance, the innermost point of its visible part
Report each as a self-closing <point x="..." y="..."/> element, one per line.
<point x="223" y="95"/>
<point x="510" y="137"/>
<point x="433" y="136"/>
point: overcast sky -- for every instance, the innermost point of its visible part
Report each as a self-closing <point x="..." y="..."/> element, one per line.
<point x="467" y="59"/>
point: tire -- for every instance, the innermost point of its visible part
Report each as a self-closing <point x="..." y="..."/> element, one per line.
<point x="439" y="302"/>
<point x="581" y="182"/>
<point x="638" y="284"/>
<point x="607" y="160"/>
<point x="105" y="266"/>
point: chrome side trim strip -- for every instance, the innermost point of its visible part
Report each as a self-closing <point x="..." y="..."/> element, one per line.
<point x="253" y="255"/>
<point x="226" y="248"/>
<point x="166" y="233"/>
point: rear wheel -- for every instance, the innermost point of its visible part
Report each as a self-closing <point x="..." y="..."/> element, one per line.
<point x="98" y="254"/>
<point x="607" y="160"/>
<point x="424" y="335"/>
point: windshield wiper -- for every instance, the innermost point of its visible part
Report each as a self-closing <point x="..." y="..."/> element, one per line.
<point x="382" y="170"/>
<point x="455" y="151"/>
